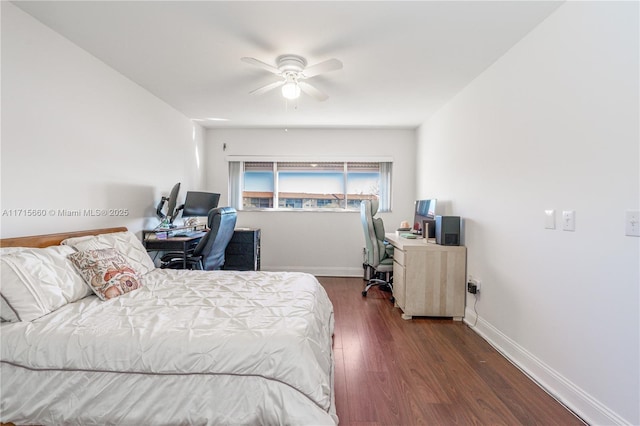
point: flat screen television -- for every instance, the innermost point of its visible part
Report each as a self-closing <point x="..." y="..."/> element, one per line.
<point x="425" y="214"/>
<point x="199" y="203"/>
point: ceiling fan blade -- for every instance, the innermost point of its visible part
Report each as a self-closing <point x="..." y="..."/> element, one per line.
<point x="263" y="65"/>
<point x="322" y="67"/>
<point x="312" y="91"/>
<point x="265" y="89"/>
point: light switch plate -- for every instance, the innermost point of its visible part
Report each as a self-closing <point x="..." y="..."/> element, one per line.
<point x="550" y="219"/>
<point x="632" y="223"/>
<point x="569" y="220"/>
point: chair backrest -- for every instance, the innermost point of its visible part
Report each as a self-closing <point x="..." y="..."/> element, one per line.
<point x="221" y="222"/>
<point x="373" y="232"/>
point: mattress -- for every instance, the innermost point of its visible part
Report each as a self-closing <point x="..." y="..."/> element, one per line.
<point x="189" y="347"/>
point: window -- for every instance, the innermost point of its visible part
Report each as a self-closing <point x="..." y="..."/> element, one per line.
<point x="308" y="185"/>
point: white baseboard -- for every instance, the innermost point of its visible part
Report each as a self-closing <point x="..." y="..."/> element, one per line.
<point x="564" y="391"/>
<point x="320" y="271"/>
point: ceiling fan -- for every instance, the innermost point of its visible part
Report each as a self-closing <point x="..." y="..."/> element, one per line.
<point x="293" y="70"/>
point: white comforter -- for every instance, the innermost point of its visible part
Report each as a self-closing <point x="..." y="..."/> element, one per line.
<point x="191" y="347"/>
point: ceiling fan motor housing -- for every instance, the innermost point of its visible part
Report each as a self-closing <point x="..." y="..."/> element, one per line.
<point x="291" y="63"/>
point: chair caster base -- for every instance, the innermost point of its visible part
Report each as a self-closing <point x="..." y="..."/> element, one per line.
<point x="364" y="293"/>
<point x="392" y="299"/>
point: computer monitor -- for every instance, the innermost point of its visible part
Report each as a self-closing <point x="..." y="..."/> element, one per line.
<point x="199" y="203"/>
<point x="425" y="212"/>
<point x="172" y="200"/>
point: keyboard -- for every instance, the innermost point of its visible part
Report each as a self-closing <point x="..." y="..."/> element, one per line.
<point x="188" y="234"/>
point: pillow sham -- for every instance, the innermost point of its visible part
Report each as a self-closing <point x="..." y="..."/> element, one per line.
<point x="106" y="271"/>
<point x="10" y="250"/>
<point x="36" y="281"/>
<point x="125" y="242"/>
<point x="7" y="313"/>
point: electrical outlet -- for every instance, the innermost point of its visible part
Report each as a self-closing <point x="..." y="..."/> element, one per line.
<point x="473" y="286"/>
<point x="632" y="223"/>
<point x="569" y="220"/>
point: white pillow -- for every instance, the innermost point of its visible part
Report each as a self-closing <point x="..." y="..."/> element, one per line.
<point x="124" y="242"/>
<point x="36" y="281"/>
<point x="9" y="250"/>
<point x="7" y="313"/>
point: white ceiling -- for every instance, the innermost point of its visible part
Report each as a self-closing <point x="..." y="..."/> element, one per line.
<point x="402" y="60"/>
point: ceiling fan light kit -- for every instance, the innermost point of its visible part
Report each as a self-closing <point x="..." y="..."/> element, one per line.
<point x="291" y="90"/>
<point x="292" y="69"/>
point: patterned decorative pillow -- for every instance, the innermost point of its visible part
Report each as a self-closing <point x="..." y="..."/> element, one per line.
<point x="126" y="243"/>
<point x="106" y="271"/>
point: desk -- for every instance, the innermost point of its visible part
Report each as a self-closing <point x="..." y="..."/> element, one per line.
<point x="184" y="245"/>
<point x="242" y="252"/>
<point x="428" y="279"/>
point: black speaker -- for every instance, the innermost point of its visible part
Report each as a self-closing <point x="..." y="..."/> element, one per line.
<point x="448" y="230"/>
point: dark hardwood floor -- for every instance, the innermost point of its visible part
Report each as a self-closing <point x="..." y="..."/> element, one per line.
<point x="424" y="371"/>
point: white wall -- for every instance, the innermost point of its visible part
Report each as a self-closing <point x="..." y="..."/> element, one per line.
<point x="553" y="124"/>
<point x="78" y="135"/>
<point x="323" y="243"/>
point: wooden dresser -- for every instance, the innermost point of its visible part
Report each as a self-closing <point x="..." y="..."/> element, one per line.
<point x="428" y="279"/>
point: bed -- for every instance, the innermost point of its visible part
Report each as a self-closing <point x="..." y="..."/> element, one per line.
<point x="171" y="347"/>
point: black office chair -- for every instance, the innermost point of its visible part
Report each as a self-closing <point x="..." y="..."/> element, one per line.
<point x="209" y="253"/>
<point x="378" y="254"/>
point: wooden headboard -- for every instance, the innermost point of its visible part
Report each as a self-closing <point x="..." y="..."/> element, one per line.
<point x="47" y="240"/>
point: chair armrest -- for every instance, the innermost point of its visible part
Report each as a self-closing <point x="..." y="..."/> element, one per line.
<point x="179" y="262"/>
<point x="167" y="257"/>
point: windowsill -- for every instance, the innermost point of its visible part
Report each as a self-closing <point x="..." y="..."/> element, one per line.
<point x="305" y="210"/>
<point x="284" y="209"/>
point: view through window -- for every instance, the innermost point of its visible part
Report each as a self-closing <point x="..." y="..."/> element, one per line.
<point x="312" y="185"/>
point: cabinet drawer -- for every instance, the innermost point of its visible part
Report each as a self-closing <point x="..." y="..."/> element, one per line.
<point x="398" y="256"/>
<point x="243" y="251"/>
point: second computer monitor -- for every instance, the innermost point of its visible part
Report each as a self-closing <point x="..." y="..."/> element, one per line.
<point x="199" y="203"/>
<point x="425" y="215"/>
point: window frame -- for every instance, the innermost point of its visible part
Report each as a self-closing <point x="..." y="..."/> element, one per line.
<point x="236" y="181"/>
